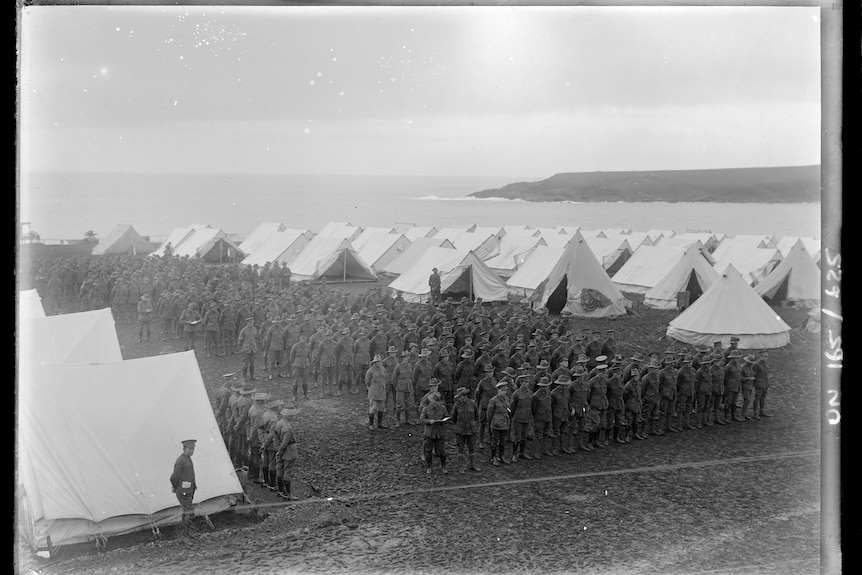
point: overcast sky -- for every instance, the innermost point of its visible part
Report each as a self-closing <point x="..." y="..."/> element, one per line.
<point x="417" y="90"/>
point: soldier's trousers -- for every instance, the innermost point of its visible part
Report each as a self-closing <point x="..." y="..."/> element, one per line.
<point x="498" y="442"/>
<point x="747" y="396"/>
<point x="344" y="373"/>
<point x="759" y="401"/>
<point x="359" y="372"/>
<point x="666" y="410"/>
<point x="730" y="398"/>
<point x="615" y="418"/>
<point x="683" y="410"/>
<point x="241" y="454"/>
<point x="703" y="407"/>
<point x="327" y="378"/>
<point x="248" y="365"/>
<point x="185" y="498"/>
<point x="650" y="410"/>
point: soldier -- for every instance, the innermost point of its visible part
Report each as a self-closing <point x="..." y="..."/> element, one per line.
<point x="375" y="384"/>
<point x="609" y="347"/>
<point x="579" y="406"/>
<point x="562" y="369"/>
<point x="145" y="313"/>
<point x="189" y="320"/>
<point x="485" y="390"/>
<point x="227" y="328"/>
<point x="231" y="439"/>
<point x="273" y="343"/>
<point x="516" y="359"/>
<point x="560" y="414"/>
<point x="247" y="342"/>
<point x="300" y="359"/>
<point x="465" y="419"/>
<point x="650" y="398"/>
<point x="498" y="415"/>
<point x="732" y="385"/>
<point x="389" y="363"/>
<point x="465" y="372"/>
<point x="703" y="387"/>
<point x="434" y="416"/>
<point x="634" y="407"/>
<point x="685" y="392"/>
<point x="267" y="451"/>
<point x="325" y="356"/>
<point x="118" y="300"/>
<point x="184" y="486"/>
<point x="255" y="416"/>
<point x="240" y="430"/>
<point x="444" y="372"/>
<point x="344" y="353"/>
<point x="734" y="346"/>
<point x="220" y="403"/>
<point x="616" y="404"/>
<point x="521" y="409"/>
<point x="541" y="414"/>
<point x="667" y="394"/>
<point x="593" y="349"/>
<point x="211" y="328"/>
<point x="761" y="385"/>
<point x="747" y="377"/>
<point x="164" y="307"/>
<point x="402" y="381"/>
<point x="361" y="359"/>
<point x="598" y="401"/>
<point x="717" y="397"/>
<point x="286" y="453"/>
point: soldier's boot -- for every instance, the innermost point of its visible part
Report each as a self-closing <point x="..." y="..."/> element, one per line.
<point x="397" y="419"/>
<point x="380" y="424"/>
<point x="619" y="437"/>
<point x="549" y="444"/>
<point x="584" y="441"/>
<point x="568" y="444"/>
<point x="460" y="463"/>
<point x="535" y="448"/>
<point x="670" y="426"/>
<point x="606" y="437"/>
<point x="264" y="482"/>
<point x="688" y="422"/>
<point x="657" y="426"/>
<point x="471" y="458"/>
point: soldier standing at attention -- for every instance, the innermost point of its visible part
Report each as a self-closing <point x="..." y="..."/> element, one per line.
<point x="485" y="390"/>
<point x="579" y="406"/>
<point x="717" y="398"/>
<point x="247" y="342"/>
<point x="434" y="434"/>
<point x="402" y="381"/>
<point x="189" y="320"/>
<point x="521" y="409"/>
<point x="300" y="359"/>
<point x="598" y="401"/>
<point x="145" y="314"/>
<point x="732" y="385"/>
<point x="465" y="419"/>
<point x="634" y="406"/>
<point x="211" y="328"/>
<point x="541" y="414"/>
<point x="286" y="452"/>
<point x="560" y="414"/>
<point x="747" y="376"/>
<point x="685" y="392"/>
<point x="434" y="285"/>
<point x="703" y="387"/>
<point x="344" y="352"/>
<point x="667" y="394"/>
<point x="616" y="404"/>
<point x="497" y="413"/>
<point x="183" y="484"/>
<point x="650" y="391"/>
<point x="761" y="385"/>
<point x="375" y="384"/>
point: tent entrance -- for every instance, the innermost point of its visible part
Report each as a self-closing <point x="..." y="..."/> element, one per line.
<point x="558" y="298"/>
<point x="780" y="293"/>
<point x="345" y="268"/>
<point x="693" y="288"/>
<point x="461" y="287"/>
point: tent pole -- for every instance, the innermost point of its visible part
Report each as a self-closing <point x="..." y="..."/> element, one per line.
<point x="344" y="275"/>
<point x="471" y="283"/>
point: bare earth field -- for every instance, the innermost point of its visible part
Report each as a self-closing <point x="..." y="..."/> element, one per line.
<point x="735" y="499"/>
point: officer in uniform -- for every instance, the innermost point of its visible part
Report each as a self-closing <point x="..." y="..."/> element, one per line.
<point x="541" y="412"/>
<point x="498" y="415"/>
<point x="761" y="385"/>
<point x="183" y="485"/>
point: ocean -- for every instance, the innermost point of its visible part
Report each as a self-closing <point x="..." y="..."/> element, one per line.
<point x="64" y="205"/>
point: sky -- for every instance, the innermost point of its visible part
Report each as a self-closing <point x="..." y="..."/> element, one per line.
<point x="456" y="91"/>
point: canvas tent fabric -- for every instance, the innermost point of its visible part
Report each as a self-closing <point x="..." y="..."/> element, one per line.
<point x="368" y="233"/>
<point x="684" y="243"/>
<point x="646" y="268"/>
<point x="638" y="239"/>
<point x="786" y="243"/>
<point x="589" y="290"/>
<point x="612" y="252"/>
<point x="280" y="247"/>
<point x="743" y="241"/>
<point x="83" y="337"/>
<point x="340" y="230"/>
<point x="557" y="240"/>
<point x="30" y="304"/>
<point x="691" y="267"/>
<point x="515" y="249"/>
<point x="408" y="257"/>
<point x="656" y="234"/>
<point x="123" y="239"/>
<point x="97" y="444"/>
<point x="190" y="245"/>
<point x="333" y="258"/>
<point x="795" y="279"/>
<point x="730" y="308"/>
<point x="461" y="271"/>
<point x="485" y="246"/>
<point x="381" y="248"/>
<point x="708" y="239"/>
<point x="178" y="236"/>
<point x="259" y="236"/>
<point x="489" y="231"/>
<point x="220" y="250"/>
<point x="754" y="264"/>
<point x="415" y="232"/>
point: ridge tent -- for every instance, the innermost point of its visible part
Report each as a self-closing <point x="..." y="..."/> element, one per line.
<point x="611" y="232"/>
<point x="730" y="307"/>
<point x="408" y="257"/>
<point x="484" y="245"/>
<point x="612" y="252"/>
<point x="753" y="264"/>
<point x="515" y="249"/>
<point x="461" y="274"/>
<point x="638" y="239"/>
<point x="489" y="231"/>
<point x="220" y="250"/>
<point x="333" y="258"/>
<point x="576" y="282"/>
<point x="178" y="236"/>
<point x="341" y="230"/>
<point x="259" y="235"/>
<point x="557" y="240"/>
<point x="83" y="337"/>
<point x="648" y="266"/>
<point x="123" y="239"/>
<point x="280" y="247"/>
<point x="747" y="241"/>
<point x="691" y="273"/>
<point x="708" y="240"/>
<point x="655" y="235"/>
<point x="381" y="248"/>
<point x="197" y="238"/>
<point x="550" y="231"/>
<point x="97" y="444"/>
<point x="30" y="305"/>
<point x="535" y="270"/>
<point x="795" y="279"/>
<point x="684" y="243"/>
<point x="416" y="232"/>
<point x="368" y="233"/>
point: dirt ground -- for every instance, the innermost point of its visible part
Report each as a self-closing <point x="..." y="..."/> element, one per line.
<point x="736" y="499"/>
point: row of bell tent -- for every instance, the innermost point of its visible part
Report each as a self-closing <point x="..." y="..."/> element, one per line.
<point x="98" y="435"/>
<point x="663" y="265"/>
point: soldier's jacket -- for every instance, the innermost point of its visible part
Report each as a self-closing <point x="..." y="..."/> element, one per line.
<point x="255" y="413"/>
<point x="732" y="376"/>
<point x="421" y="374"/>
<point x="579" y="396"/>
<point x="497" y="412"/>
<point x="685" y="382"/>
<point x="264" y="428"/>
<point x="402" y="376"/>
<point x="465" y="416"/>
<point x="274" y="339"/>
<point x="649" y="387"/>
<point x="445" y="372"/>
<point x="345" y="350"/>
<point x="598" y="393"/>
<point x="615" y="392"/>
<point x="465" y="374"/>
<point x="667" y="383"/>
<point x="761" y="374"/>
<point x="703" y="380"/>
<point x="394" y="338"/>
<point x="411" y="337"/>
<point x="325" y="353"/>
<point x="479" y="366"/>
<point x="300" y="354"/>
<point x="540" y="406"/>
<point x="240" y="413"/>
<point x="248" y="339"/>
<point x="516" y="360"/>
<point x="221" y="403"/>
<point x="227" y="320"/>
<point x="717" y="379"/>
<point x="211" y="319"/>
<point x="389" y="362"/>
<point x="379" y="344"/>
<point x="632" y="396"/>
<point x="484" y="391"/>
<point x="164" y="306"/>
<point x="560" y="403"/>
<point x="747" y="376"/>
<point x="521" y="405"/>
<point x="362" y="351"/>
<point x="435" y="412"/>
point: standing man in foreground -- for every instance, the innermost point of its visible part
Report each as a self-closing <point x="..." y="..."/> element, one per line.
<point x="434" y="284"/>
<point x="184" y="486"/>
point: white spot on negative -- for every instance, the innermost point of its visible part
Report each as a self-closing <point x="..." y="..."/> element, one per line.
<point x="307" y="131"/>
